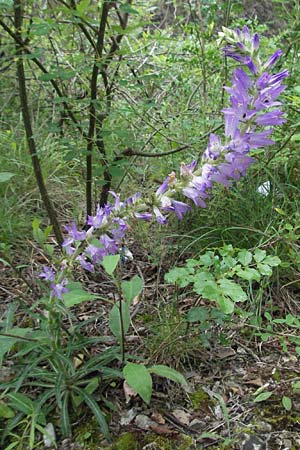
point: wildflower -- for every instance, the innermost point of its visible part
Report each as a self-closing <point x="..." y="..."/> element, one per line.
<point x="59" y="288"/>
<point x="48" y="273"/>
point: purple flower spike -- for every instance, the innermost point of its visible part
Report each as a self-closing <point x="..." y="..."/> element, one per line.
<point x="85" y="264"/>
<point x="73" y="234"/>
<point x="163" y="187"/>
<point x="255" y="42"/>
<point x="143" y="216"/>
<point x="272" y="60"/>
<point x="48" y="274"/>
<point x="270" y="118"/>
<point x="58" y="289"/>
<point x="159" y="217"/>
<point x="180" y="208"/>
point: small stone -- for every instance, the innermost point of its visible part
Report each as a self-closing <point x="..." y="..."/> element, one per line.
<point x="49" y="437"/>
<point x="253" y="442"/>
<point x="143" y="422"/>
<point x="197" y="425"/>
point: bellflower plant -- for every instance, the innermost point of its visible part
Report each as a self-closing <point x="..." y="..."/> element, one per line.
<point x="249" y="122"/>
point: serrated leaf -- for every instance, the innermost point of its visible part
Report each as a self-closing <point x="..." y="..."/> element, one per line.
<point x="197" y="314"/>
<point x="179" y="275"/>
<point x="110" y="263"/>
<point x="259" y="255"/>
<point x="115" y="319"/>
<point x="264" y="269"/>
<point x="233" y="290"/>
<point x="287" y="403"/>
<point x="262" y="397"/>
<point x="132" y="288"/>
<point x="244" y="257"/>
<point x="225" y="304"/>
<point x="21" y="402"/>
<point x="139" y="379"/>
<point x="249" y="274"/>
<point x="209" y="290"/>
<point x="272" y="261"/>
<point x="168" y="372"/>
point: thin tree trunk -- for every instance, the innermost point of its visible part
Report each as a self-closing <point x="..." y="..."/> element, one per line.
<point x="28" y="128"/>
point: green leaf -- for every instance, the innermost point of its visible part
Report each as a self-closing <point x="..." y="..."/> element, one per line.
<point x="197" y="314"/>
<point x="6" y="176"/>
<point x="76" y="297"/>
<point x="115" y="319"/>
<point x="138" y="377"/>
<point x="110" y="263"/>
<point x="6" y="343"/>
<point x="179" y="275"/>
<point x="5" y="411"/>
<point x="248" y="274"/>
<point x="264" y="269"/>
<point x="21" y="402"/>
<point x="244" y="257"/>
<point x="92" y="404"/>
<point x="167" y="372"/>
<point x="272" y="261"/>
<point x="132" y="288"/>
<point x="287" y="403"/>
<point x="232" y="290"/>
<point x="259" y="255"/>
<point x="226" y="305"/>
<point x="209" y="289"/>
<point x="262" y="397"/>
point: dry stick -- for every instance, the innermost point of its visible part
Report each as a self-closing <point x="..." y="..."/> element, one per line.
<point x="123" y="19"/>
<point x="92" y="109"/>
<point x="28" y="128"/>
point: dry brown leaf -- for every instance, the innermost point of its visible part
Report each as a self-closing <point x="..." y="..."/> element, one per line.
<point x="128" y="391"/>
<point x="158" y="417"/>
<point x="182" y="416"/>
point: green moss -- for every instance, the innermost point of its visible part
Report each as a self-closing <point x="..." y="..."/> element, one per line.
<point x="126" y="441"/>
<point x="181" y="442"/>
<point x="200" y="399"/>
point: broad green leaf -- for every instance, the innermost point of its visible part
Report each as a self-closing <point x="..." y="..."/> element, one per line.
<point x="272" y="261"/>
<point x="197" y="314"/>
<point x="206" y="287"/>
<point x="225" y="304"/>
<point x="262" y="397"/>
<point x="5" y="411"/>
<point x="206" y="259"/>
<point x="232" y="290"/>
<point x="264" y="269"/>
<point x="115" y="319"/>
<point x="287" y="403"/>
<point x="167" y="372"/>
<point x="249" y="274"/>
<point x="6" y="176"/>
<point x="244" y="257"/>
<point x="132" y="288"/>
<point x="126" y="8"/>
<point x="259" y="255"/>
<point x="179" y="275"/>
<point x="110" y="263"/>
<point x="76" y="297"/>
<point x="139" y="379"/>
<point x="21" y="402"/>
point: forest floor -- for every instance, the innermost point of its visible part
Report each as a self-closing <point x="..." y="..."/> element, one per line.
<point x="225" y="373"/>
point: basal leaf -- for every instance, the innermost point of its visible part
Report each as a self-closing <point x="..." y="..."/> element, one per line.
<point x="110" y="263"/>
<point x="21" y="402"/>
<point x="132" y="288"/>
<point x="168" y="372"/>
<point x="138" y="377"/>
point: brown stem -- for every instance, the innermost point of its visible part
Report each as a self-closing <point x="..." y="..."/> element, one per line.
<point x="27" y="125"/>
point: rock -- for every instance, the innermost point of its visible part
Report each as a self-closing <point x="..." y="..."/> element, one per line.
<point x="253" y="442"/>
<point x="49" y="437"/>
<point x="143" y="422"/>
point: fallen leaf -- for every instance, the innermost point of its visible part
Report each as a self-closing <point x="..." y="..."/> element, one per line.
<point x="158" y="417"/>
<point x="182" y="416"/>
<point x="128" y="391"/>
<point x="255" y="382"/>
<point x="160" y="429"/>
<point x="128" y="416"/>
